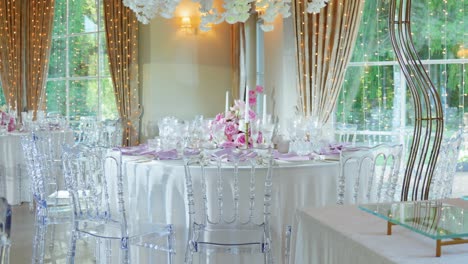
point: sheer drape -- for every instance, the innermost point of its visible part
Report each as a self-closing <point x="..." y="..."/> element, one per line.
<point x="238" y="60"/>
<point x="11" y="55"/>
<point x="324" y="44"/>
<point x="122" y="47"/>
<point x="38" y="22"/>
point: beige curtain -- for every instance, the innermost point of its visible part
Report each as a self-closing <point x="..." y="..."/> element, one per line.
<point x="122" y="47"/>
<point x="238" y="61"/>
<point x="324" y="44"/>
<point x="38" y="36"/>
<point x="11" y="56"/>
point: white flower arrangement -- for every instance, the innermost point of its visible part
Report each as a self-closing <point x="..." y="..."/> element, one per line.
<point x="315" y="6"/>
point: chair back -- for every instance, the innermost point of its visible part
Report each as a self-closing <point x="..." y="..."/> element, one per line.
<point x="442" y="179"/>
<point x="5" y="230"/>
<point x="368" y="174"/>
<point x="229" y="187"/>
<point x="43" y="182"/>
<point x="346" y="133"/>
<point x="94" y="180"/>
<point x="110" y="133"/>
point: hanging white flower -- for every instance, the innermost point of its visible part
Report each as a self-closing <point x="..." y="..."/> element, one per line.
<point x="315" y="6"/>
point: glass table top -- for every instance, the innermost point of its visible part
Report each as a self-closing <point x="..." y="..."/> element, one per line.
<point x="433" y="219"/>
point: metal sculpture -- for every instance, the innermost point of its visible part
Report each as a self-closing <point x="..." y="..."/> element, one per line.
<point x="429" y="119"/>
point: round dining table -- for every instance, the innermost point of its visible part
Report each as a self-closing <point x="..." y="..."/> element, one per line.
<point x="156" y="192"/>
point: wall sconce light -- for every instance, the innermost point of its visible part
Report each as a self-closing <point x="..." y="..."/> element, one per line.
<point x="186" y="24"/>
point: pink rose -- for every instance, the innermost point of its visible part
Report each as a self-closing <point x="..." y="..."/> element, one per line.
<point x="252" y="100"/>
<point x="240" y="139"/>
<point x="252" y="93"/>
<point x="252" y="115"/>
<point x="231" y="129"/>
<point x="11" y="124"/>
<point x="259" y="89"/>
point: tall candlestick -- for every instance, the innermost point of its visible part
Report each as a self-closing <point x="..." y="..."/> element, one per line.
<point x="226" y="108"/>
<point x="246" y="114"/>
<point x="264" y="112"/>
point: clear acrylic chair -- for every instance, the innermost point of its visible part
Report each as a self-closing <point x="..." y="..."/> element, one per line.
<point x="442" y="179"/>
<point x="110" y="133"/>
<point x="52" y="202"/>
<point x="99" y="209"/>
<point x="368" y="174"/>
<point x="5" y="229"/>
<point x="229" y="194"/>
<point x="346" y="133"/>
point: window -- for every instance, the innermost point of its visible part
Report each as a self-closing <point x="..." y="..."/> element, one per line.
<point x="374" y="95"/>
<point x="79" y="82"/>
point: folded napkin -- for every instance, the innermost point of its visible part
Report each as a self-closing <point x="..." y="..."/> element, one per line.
<point x="292" y="156"/>
<point x="166" y="155"/>
<point x="143" y="149"/>
<point x="134" y="150"/>
<point x="231" y="154"/>
<point x="333" y="149"/>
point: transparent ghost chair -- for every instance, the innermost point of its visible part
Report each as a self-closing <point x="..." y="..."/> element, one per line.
<point x="229" y="194"/>
<point x="442" y="179"/>
<point x="88" y="130"/>
<point x="52" y="203"/>
<point x="110" y="133"/>
<point x="346" y="133"/>
<point x="5" y="229"/>
<point x="369" y="174"/>
<point x="97" y="188"/>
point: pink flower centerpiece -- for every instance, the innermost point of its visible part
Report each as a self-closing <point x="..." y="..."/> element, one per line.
<point x="228" y="129"/>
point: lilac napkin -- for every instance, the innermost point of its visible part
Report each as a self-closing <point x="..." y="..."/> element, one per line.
<point x="134" y="150"/>
<point x="333" y="149"/>
<point x="290" y="156"/>
<point x="166" y="154"/>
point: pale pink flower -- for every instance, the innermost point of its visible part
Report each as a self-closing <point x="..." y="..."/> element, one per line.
<point x="230" y="115"/>
<point x="252" y="115"/>
<point x="260" y="138"/>
<point x="238" y="106"/>
<point x="259" y="89"/>
<point x="219" y="117"/>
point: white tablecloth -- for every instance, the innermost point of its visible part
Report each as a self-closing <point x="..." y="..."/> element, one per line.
<point x="12" y="165"/>
<point x="157" y="193"/>
<point x="345" y="234"/>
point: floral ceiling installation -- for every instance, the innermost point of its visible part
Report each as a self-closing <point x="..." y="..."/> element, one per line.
<point x="234" y="10"/>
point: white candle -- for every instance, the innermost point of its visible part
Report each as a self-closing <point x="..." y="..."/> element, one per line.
<point x="246" y="114"/>
<point x="264" y="112"/>
<point x="226" y="108"/>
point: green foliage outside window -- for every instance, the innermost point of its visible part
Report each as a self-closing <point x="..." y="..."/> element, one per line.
<point x="78" y="68"/>
<point x="372" y="95"/>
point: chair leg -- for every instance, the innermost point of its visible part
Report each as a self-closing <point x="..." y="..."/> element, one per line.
<point x="287" y="251"/>
<point x="108" y="251"/>
<point x="188" y="254"/>
<point x="39" y="241"/>
<point x="72" y="248"/>
<point x="52" y="240"/>
<point x="124" y="253"/>
<point x="170" y="245"/>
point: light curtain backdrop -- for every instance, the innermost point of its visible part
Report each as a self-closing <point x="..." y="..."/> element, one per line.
<point x="324" y="43"/>
<point x="122" y="47"/>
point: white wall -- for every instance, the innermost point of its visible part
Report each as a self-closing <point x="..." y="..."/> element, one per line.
<point x="183" y="74"/>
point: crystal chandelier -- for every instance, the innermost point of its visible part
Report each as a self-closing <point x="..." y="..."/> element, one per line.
<point x="235" y="10"/>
